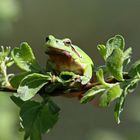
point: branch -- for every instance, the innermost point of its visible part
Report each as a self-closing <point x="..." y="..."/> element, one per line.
<point x="61" y="92"/>
<point x="79" y="94"/>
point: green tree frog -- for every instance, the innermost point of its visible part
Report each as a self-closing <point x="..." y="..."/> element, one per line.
<point x="64" y="56"/>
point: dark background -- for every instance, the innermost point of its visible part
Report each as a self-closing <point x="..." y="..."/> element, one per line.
<point x="86" y="23"/>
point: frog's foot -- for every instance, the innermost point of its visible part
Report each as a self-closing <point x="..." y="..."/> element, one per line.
<point x="84" y="80"/>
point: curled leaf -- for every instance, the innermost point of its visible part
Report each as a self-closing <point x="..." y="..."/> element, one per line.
<point x="115" y="42"/>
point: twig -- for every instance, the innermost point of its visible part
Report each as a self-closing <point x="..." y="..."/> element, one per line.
<point x="61" y="92"/>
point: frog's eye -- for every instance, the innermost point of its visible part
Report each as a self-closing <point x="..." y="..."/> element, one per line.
<point x="67" y="41"/>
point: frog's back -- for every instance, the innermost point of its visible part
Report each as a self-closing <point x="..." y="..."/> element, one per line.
<point x="87" y="65"/>
<point x="84" y="57"/>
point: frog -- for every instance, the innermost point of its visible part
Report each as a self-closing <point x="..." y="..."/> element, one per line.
<point x="63" y="55"/>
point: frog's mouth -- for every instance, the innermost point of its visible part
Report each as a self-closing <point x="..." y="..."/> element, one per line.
<point x="54" y="51"/>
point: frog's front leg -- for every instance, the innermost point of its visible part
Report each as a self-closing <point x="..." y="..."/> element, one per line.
<point x="84" y="80"/>
<point x="87" y="75"/>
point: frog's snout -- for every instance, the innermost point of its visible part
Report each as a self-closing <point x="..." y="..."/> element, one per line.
<point x="50" y="37"/>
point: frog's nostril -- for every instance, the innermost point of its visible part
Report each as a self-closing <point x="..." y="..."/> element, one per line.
<point x="47" y="39"/>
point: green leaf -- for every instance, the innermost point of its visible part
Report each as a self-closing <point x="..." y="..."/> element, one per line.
<point x="102" y="49"/>
<point x="135" y="69"/>
<point x="67" y="76"/>
<point x="127" y="53"/>
<point x="24" y="58"/>
<point x="132" y="85"/>
<point x="127" y="86"/>
<point x="38" y="118"/>
<point x="110" y="95"/>
<point x="15" y="81"/>
<point x="119" y="108"/>
<point x="91" y="93"/>
<point x="49" y="111"/>
<point x="114" y="64"/>
<point x="4" y="52"/>
<point x="31" y="84"/>
<point x="35" y="133"/>
<point x="113" y="43"/>
<point x="100" y="77"/>
<point x="17" y="101"/>
<point x="127" y="56"/>
<point x="29" y="114"/>
<point x="52" y="86"/>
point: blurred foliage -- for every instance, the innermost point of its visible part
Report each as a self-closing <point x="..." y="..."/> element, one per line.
<point x="8" y="119"/>
<point x="9" y="10"/>
<point x="104" y="134"/>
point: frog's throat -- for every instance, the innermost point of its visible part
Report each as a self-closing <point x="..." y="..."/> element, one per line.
<point x="64" y="61"/>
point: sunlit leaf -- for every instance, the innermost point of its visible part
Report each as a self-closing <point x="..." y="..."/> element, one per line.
<point x="100" y="77"/>
<point x="115" y="64"/>
<point x="91" y="93"/>
<point x="110" y="95"/>
<point x="31" y="84"/>
<point x="113" y="43"/>
<point x="127" y="53"/>
<point x="24" y="58"/>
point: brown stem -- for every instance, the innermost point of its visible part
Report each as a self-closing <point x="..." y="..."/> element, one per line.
<point x="86" y="87"/>
<point x="60" y="92"/>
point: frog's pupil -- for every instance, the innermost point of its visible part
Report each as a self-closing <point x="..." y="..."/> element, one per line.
<point x="67" y="41"/>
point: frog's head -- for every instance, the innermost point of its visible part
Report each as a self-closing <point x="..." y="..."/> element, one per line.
<point x="59" y="46"/>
